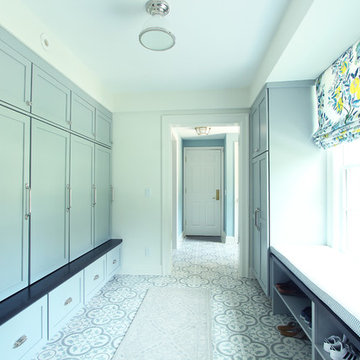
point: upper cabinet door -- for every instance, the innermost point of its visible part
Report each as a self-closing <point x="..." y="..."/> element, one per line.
<point x="102" y="196"/>
<point x="50" y="98"/>
<point x="255" y="131"/>
<point x="103" y="128"/>
<point x="50" y="199"/>
<point x="263" y="125"/>
<point x="259" y="126"/>
<point x="15" y="78"/>
<point x="14" y="194"/>
<point x="82" y="116"/>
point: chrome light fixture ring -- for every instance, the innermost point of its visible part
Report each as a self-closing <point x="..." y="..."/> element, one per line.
<point x="154" y="28"/>
<point x="157" y="7"/>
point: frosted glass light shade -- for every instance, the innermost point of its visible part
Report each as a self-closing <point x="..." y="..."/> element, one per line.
<point x="157" y="39"/>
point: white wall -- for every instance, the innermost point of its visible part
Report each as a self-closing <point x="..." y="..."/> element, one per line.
<point x="136" y="181"/>
<point x="137" y="163"/>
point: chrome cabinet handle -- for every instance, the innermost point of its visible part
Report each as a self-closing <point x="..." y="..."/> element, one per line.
<point x="28" y="103"/>
<point x="96" y="277"/>
<point x="19" y="341"/>
<point x="69" y="198"/>
<point x="257" y="212"/>
<point x="114" y="261"/>
<point x="68" y="301"/>
<point x="28" y="201"/>
<point x="94" y="188"/>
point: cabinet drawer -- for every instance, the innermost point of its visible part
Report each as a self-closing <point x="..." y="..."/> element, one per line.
<point x="113" y="261"/>
<point x="94" y="276"/>
<point x="63" y="301"/>
<point x="25" y="332"/>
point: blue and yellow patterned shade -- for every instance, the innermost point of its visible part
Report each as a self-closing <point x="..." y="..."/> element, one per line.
<point x="338" y="100"/>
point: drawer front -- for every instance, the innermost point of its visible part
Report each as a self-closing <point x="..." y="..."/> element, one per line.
<point x="63" y="300"/>
<point x="24" y="331"/>
<point x="113" y="261"/>
<point x="94" y="276"/>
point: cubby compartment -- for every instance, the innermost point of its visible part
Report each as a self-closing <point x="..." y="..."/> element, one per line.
<point x="325" y="322"/>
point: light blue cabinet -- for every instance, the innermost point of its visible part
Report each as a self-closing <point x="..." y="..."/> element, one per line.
<point x="14" y="205"/>
<point x="15" y="78"/>
<point x="103" y="194"/>
<point x="103" y="128"/>
<point x="50" y="98"/>
<point x="50" y="199"/>
<point x="82" y="116"/>
<point x="82" y="196"/>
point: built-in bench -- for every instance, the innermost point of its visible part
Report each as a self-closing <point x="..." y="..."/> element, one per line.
<point x="328" y="280"/>
<point x="34" y="314"/>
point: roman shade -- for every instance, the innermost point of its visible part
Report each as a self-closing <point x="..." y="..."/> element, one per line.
<point x="338" y="100"/>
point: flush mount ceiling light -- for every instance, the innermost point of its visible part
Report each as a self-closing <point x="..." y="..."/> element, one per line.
<point x="155" y="35"/>
<point x="202" y="130"/>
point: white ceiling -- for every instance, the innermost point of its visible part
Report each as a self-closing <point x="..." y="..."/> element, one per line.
<point x="219" y="45"/>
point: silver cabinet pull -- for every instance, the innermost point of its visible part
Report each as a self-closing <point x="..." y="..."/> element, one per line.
<point x="94" y="188"/>
<point x="257" y="212"/>
<point x="69" y="198"/>
<point x="68" y="301"/>
<point x="28" y="103"/>
<point x="28" y="200"/>
<point x="19" y="341"/>
<point x="114" y="261"/>
<point x="96" y="277"/>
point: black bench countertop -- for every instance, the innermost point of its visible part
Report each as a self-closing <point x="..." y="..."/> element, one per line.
<point x="14" y="304"/>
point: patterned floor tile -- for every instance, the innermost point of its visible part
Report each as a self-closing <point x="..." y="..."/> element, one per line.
<point x="243" y="326"/>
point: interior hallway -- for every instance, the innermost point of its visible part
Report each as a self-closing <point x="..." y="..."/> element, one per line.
<point x="242" y="327"/>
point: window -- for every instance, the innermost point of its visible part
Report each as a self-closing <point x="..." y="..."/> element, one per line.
<point x="344" y="197"/>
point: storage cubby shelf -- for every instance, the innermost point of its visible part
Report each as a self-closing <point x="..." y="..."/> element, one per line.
<point x="296" y="304"/>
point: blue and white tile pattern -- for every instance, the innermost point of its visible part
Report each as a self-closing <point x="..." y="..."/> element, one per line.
<point x="243" y="325"/>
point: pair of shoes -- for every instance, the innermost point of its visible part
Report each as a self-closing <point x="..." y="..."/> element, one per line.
<point x="289" y="326"/>
<point x="339" y="349"/>
<point x="291" y="329"/>
<point x="288" y="288"/>
<point x="306" y="316"/>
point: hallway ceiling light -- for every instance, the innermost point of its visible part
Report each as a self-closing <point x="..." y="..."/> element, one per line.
<point x="202" y="130"/>
<point x="155" y="35"/>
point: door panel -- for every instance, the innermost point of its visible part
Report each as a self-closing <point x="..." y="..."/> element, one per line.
<point x="15" y="75"/>
<point x="103" y="194"/>
<point x="82" y="116"/>
<point x="202" y="180"/>
<point x="255" y="132"/>
<point x="103" y="128"/>
<point x="50" y="98"/>
<point x="81" y="183"/>
<point x="259" y="228"/>
<point x="14" y="232"/>
<point x="50" y="199"/>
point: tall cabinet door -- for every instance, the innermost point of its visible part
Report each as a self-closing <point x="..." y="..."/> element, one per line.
<point x="15" y="75"/>
<point x="81" y="206"/>
<point x="14" y="163"/>
<point x="50" y="199"/>
<point x="102" y="194"/>
<point x="259" y="228"/>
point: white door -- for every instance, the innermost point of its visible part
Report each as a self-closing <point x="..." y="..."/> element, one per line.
<point x="202" y="190"/>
